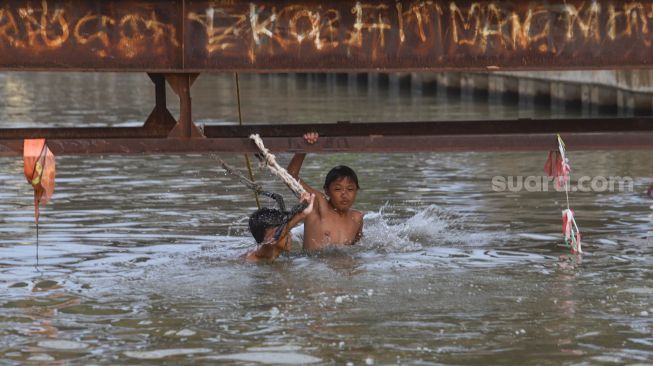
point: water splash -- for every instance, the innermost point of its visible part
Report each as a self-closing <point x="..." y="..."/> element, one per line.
<point x="389" y="229"/>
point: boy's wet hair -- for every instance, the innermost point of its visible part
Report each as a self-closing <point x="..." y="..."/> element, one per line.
<point x="264" y="219"/>
<point x="339" y="172"/>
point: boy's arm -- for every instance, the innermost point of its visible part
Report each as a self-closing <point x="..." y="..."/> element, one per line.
<point x="265" y="252"/>
<point x="299" y="217"/>
<point x="297" y="160"/>
<point x="359" y="234"/>
<point x="295" y="220"/>
<point x="293" y="168"/>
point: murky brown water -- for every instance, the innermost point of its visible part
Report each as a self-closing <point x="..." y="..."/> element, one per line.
<point x="137" y="258"/>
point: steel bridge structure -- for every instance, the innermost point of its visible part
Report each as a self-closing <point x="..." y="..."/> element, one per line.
<point x="175" y="41"/>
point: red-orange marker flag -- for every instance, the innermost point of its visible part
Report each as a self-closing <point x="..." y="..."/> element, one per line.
<point x="40" y="170"/>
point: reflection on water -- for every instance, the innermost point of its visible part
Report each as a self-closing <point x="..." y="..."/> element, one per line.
<point x="106" y="99"/>
<point x="138" y="254"/>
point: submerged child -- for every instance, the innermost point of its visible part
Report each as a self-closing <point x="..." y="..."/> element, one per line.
<point x="333" y="221"/>
<point x="271" y="230"/>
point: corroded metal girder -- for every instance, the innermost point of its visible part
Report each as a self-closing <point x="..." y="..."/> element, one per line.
<point x="520" y="135"/>
<point x="308" y="35"/>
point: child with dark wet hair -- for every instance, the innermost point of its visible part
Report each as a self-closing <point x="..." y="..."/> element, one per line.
<point x="271" y="229"/>
<point x="333" y="221"/>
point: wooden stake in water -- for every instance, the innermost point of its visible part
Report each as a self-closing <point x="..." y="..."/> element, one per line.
<point x="37" y="244"/>
<point x="240" y="123"/>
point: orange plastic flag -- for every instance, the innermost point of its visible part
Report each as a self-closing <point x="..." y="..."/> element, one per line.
<point x="40" y="169"/>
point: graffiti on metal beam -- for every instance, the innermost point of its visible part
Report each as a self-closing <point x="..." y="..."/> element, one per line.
<point x="227" y="34"/>
<point x="433" y="30"/>
<point x="44" y="27"/>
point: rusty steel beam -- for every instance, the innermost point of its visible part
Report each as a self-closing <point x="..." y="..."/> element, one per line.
<point x="71" y="133"/>
<point x="519" y="135"/>
<point x="345" y="129"/>
<point x="195" y="36"/>
<point x="367" y="144"/>
<point x="490" y="127"/>
<point x="90" y="35"/>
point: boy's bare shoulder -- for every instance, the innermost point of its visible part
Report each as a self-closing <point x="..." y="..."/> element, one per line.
<point x="356" y="215"/>
<point x="321" y="203"/>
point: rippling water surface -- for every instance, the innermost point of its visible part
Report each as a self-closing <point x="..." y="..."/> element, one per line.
<point x="137" y="262"/>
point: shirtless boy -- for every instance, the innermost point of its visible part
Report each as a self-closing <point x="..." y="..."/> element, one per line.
<point x="332" y="221"/>
<point x="272" y="232"/>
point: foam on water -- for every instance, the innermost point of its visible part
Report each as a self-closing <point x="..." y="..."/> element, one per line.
<point x="163" y="353"/>
<point x="638" y="290"/>
<point x="539" y="237"/>
<point x="62" y="345"/>
<point x="41" y="357"/>
<point x="275" y="358"/>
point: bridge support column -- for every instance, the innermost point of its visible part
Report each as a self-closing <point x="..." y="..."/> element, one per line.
<point x="160" y="120"/>
<point x="184" y="128"/>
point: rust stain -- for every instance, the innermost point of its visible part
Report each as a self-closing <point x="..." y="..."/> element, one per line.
<point x="81" y="34"/>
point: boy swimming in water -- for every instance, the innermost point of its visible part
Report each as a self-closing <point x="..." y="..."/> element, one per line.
<point x="333" y="221"/>
<point x="271" y="229"/>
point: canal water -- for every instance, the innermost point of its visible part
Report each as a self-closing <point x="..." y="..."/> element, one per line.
<point x="137" y="262"/>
